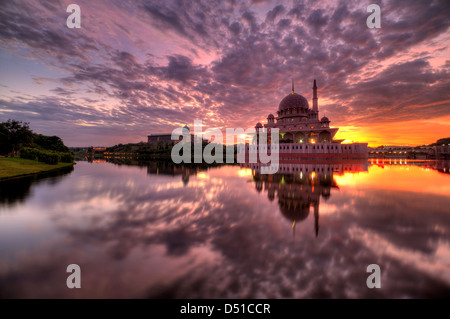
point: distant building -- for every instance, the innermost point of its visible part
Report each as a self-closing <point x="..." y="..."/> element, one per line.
<point x="406" y="152"/>
<point x="166" y="138"/>
<point x="442" y="151"/>
<point x="96" y="150"/>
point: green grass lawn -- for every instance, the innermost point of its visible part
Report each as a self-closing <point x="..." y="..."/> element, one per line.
<point x="16" y="167"/>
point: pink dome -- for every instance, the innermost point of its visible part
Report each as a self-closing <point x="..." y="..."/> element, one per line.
<point x="293" y="100"/>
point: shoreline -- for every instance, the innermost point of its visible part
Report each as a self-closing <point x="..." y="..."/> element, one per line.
<point x="19" y="168"/>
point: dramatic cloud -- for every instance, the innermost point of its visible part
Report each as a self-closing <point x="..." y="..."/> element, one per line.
<point x="144" y="67"/>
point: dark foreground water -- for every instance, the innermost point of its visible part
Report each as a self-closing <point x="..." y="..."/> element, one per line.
<point x="156" y="231"/>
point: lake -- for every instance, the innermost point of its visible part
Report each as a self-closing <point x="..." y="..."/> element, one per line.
<point x="153" y="230"/>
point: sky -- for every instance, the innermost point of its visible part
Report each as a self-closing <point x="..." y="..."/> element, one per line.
<point x="136" y="68"/>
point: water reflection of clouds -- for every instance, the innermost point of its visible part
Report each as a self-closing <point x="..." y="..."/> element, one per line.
<point x="434" y="263"/>
<point x="217" y="236"/>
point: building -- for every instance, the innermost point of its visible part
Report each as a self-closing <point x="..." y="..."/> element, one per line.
<point x="410" y="152"/>
<point x="442" y="151"/>
<point x="298" y="123"/>
<point x="94" y="150"/>
<point x="166" y="138"/>
<point x="302" y="134"/>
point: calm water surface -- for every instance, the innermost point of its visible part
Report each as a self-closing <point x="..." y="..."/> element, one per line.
<point x="156" y="231"/>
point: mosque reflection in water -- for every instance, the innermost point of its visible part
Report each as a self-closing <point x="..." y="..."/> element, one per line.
<point x="299" y="187"/>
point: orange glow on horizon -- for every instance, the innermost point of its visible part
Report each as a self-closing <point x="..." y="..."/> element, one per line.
<point x="412" y="133"/>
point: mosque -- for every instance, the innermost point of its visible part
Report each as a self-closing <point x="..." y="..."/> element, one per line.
<point x="303" y="135"/>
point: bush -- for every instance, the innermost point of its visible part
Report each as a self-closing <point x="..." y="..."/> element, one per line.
<point x="47" y="157"/>
<point x="67" y="158"/>
<point x="29" y="153"/>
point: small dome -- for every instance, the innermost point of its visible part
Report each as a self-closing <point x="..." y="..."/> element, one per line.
<point x="325" y="119"/>
<point x="293" y="100"/>
<point x="270" y="116"/>
<point x="258" y="124"/>
<point x="187" y="127"/>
